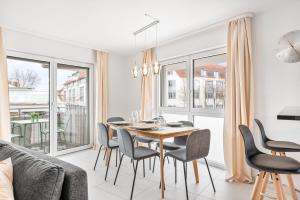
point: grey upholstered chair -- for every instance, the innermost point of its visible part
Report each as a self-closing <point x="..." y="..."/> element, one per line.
<point x="134" y="153"/>
<point x="178" y="143"/>
<point x="104" y="141"/>
<point x="115" y="119"/>
<point x="197" y="147"/>
<point x="266" y="164"/>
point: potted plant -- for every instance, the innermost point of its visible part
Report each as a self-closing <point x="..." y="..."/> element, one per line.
<point x="34" y="116"/>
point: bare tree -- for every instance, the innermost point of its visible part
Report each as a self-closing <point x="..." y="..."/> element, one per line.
<point x="25" y="79"/>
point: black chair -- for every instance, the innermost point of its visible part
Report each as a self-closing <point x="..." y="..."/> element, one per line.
<point x="280" y="148"/>
<point x="267" y="165"/>
<point x="178" y="143"/>
<point x="107" y="143"/>
<point x="134" y="153"/>
<point x="197" y="147"/>
<point x="115" y="119"/>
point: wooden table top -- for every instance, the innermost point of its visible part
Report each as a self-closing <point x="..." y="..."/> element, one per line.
<point x="161" y="133"/>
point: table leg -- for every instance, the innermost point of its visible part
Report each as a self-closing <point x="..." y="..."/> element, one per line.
<point x="161" y="149"/>
<point x="195" y="165"/>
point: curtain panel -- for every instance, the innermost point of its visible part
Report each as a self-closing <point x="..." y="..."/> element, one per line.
<point x="146" y="87"/>
<point x="4" y="99"/>
<point x="102" y="85"/>
<point x="239" y="106"/>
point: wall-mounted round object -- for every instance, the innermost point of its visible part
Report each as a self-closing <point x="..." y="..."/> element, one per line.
<point x="289" y="47"/>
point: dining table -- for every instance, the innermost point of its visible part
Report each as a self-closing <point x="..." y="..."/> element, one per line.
<point x="161" y="133"/>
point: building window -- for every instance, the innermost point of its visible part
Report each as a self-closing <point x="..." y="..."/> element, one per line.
<point x="174" y="85"/>
<point x="81" y="94"/>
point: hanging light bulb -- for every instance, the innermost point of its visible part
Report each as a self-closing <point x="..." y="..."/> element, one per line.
<point x="135" y="71"/>
<point x="156" y="65"/>
<point x="145" y="69"/>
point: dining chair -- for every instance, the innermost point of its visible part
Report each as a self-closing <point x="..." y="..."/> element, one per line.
<point x="197" y="147"/>
<point x="279" y="148"/>
<point x="126" y="145"/>
<point x="104" y="141"/>
<point x="178" y="143"/>
<point x="267" y="165"/>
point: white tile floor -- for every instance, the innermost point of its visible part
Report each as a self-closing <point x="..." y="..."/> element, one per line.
<point x="148" y="188"/>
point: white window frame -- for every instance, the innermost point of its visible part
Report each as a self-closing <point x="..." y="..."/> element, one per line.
<point x="53" y="93"/>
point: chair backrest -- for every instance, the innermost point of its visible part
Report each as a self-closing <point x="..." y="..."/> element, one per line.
<point x="262" y="131"/>
<point x="125" y="143"/>
<point x="115" y="119"/>
<point x="103" y="134"/>
<point x="181" y="140"/>
<point x="197" y="145"/>
<point x="250" y="147"/>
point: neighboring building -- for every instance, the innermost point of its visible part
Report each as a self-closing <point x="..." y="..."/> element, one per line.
<point x="208" y="91"/>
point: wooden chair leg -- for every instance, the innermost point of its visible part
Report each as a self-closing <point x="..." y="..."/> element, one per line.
<point x="257" y="186"/>
<point x="281" y="188"/>
<point x="264" y="185"/>
<point x="277" y="186"/>
<point x="291" y="183"/>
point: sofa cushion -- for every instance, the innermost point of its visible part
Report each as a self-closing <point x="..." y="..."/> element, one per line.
<point x="34" y="179"/>
<point x="6" y="180"/>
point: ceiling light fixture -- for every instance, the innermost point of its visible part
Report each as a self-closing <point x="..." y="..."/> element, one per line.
<point x="145" y="68"/>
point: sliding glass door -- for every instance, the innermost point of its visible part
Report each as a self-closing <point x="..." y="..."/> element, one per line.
<point x="29" y="97"/>
<point x="49" y="103"/>
<point x="72" y="106"/>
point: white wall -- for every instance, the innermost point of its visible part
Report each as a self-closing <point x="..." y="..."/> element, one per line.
<point x="118" y="74"/>
<point x="277" y="84"/>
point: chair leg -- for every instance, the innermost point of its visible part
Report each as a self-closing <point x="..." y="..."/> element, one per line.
<point x="175" y="164"/>
<point x="97" y="157"/>
<point x="144" y="173"/>
<point x="264" y="185"/>
<point x="118" y="169"/>
<point x="277" y="186"/>
<point x="211" y="180"/>
<point x="135" y="172"/>
<point x="149" y="146"/>
<point x="290" y="183"/>
<point x="108" y="164"/>
<point x="167" y="158"/>
<point x="105" y="153"/>
<point x="116" y="157"/>
<point x="257" y="186"/>
<point x="185" y="180"/>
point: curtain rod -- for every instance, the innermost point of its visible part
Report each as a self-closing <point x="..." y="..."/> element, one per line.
<point x="210" y="26"/>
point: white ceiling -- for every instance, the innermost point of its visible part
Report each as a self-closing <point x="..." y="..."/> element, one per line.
<point x="108" y="25"/>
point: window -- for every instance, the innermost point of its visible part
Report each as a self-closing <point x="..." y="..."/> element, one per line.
<point x="66" y="126"/>
<point x="194" y="89"/>
<point x="81" y="96"/>
<point x="209" y="87"/>
<point x="174" y="85"/>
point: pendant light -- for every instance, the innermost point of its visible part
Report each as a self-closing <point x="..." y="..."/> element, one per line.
<point x="135" y="69"/>
<point x="145" y="66"/>
<point x="156" y="65"/>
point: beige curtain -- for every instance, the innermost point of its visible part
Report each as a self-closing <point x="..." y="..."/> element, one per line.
<point x="239" y="98"/>
<point x="146" y="88"/>
<point x="102" y="85"/>
<point x="4" y="101"/>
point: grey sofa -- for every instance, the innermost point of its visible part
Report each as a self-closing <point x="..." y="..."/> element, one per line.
<point x="38" y="176"/>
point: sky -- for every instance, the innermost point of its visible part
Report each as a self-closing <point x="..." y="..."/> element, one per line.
<point x="62" y="74"/>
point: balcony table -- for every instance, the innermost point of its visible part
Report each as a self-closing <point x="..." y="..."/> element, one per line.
<point x="161" y="134"/>
<point x="26" y="122"/>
